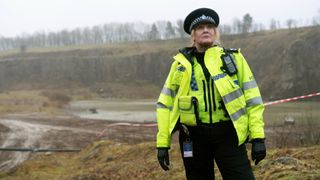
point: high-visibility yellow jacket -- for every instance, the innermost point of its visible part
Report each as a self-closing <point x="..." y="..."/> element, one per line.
<point x="238" y="93"/>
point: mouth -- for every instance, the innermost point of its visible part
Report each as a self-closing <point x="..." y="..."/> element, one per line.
<point x="205" y="35"/>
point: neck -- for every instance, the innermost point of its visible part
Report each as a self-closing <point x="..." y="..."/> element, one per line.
<point x="202" y="49"/>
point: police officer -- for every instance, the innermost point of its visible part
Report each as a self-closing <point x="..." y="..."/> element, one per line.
<point x="211" y="96"/>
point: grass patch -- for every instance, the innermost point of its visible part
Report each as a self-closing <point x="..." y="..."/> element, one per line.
<point x="40" y="101"/>
<point x="107" y="159"/>
<point x="21" y="101"/>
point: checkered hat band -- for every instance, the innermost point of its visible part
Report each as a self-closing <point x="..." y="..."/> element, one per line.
<point x="201" y="18"/>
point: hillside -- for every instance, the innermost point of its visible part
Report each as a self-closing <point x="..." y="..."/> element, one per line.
<point x="110" y="160"/>
<point x="38" y="87"/>
<point x="285" y="63"/>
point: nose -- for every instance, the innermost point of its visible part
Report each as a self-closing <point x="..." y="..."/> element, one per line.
<point x="206" y="28"/>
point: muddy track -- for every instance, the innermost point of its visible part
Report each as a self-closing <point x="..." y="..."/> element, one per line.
<point x="24" y="134"/>
<point x="60" y="133"/>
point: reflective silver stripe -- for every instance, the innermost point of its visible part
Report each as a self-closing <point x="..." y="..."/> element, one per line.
<point x="231" y="96"/>
<point x="235" y="116"/>
<point x="254" y="101"/>
<point x="160" y="105"/>
<point x="250" y="85"/>
<point x="168" y="92"/>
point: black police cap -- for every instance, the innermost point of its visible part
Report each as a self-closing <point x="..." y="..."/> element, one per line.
<point x="199" y="16"/>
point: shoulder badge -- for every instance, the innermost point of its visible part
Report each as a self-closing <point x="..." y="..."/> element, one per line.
<point x="231" y="50"/>
<point x="181" y="68"/>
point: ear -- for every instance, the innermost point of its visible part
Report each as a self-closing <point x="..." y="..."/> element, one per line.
<point x="215" y="30"/>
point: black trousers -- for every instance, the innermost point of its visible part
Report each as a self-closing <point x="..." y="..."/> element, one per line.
<point x="217" y="142"/>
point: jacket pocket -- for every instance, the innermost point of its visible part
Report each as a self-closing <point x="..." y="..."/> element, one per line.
<point x="188" y="106"/>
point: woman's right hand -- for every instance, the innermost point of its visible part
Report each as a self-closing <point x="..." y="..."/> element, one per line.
<point x="163" y="158"/>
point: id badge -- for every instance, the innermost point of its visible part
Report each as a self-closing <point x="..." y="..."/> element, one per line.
<point x="187" y="148"/>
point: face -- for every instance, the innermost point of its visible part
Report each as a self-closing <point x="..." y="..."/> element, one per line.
<point x="204" y="35"/>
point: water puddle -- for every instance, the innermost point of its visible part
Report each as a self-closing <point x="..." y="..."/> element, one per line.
<point x="119" y="110"/>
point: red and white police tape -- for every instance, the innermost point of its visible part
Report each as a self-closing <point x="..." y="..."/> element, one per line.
<point x="291" y="99"/>
<point x="155" y="124"/>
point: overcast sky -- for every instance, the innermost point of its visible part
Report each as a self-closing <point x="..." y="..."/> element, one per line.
<point x="18" y="16"/>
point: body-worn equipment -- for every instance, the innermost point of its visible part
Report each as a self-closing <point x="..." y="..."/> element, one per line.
<point x="228" y="64"/>
<point x="223" y="97"/>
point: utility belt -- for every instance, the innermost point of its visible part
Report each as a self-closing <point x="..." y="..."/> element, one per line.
<point x="189" y="112"/>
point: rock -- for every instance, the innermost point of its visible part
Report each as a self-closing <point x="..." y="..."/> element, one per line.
<point x="286" y="160"/>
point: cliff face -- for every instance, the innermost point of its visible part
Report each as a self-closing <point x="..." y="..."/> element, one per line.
<point x="285" y="63"/>
<point x="48" y="71"/>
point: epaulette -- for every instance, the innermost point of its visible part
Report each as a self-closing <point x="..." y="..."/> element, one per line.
<point x="231" y="50"/>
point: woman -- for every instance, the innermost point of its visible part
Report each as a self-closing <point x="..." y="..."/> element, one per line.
<point x="210" y="95"/>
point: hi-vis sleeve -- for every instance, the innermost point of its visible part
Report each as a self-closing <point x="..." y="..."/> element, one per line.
<point x="165" y="104"/>
<point x="254" y="103"/>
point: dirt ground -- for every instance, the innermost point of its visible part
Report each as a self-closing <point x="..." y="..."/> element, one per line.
<point x="131" y="154"/>
<point x="64" y="132"/>
<point x="79" y="126"/>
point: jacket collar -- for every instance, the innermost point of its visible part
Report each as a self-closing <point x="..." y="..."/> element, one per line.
<point x="188" y="53"/>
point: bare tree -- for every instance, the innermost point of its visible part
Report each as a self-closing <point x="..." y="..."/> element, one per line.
<point x="291" y="23"/>
<point x="107" y="33"/>
<point x="87" y="35"/>
<point x="225" y="29"/>
<point x="236" y="26"/>
<point x="97" y="34"/>
<point x="161" y="27"/>
<point x="316" y="19"/>
<point x="23" y="48"/>
<point x="247" y="23"/>
<point x="257" y="27"/>
<point x="2" y="48"/>
<point x="77" y="36"/>
<point x="180" y="30"/>
<point x="154" y="33"/>
<point x="273" y="24"/>
<point x="170" y="33"/>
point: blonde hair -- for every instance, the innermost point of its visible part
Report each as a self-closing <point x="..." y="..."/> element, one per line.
<point x="216" y="40"/>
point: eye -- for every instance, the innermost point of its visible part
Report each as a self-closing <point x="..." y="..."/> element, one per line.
<point x="201" y="26"/>
<point x="210" y="26"/>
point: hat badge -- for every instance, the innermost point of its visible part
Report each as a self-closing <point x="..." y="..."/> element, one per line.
<point x="203" y="16"/>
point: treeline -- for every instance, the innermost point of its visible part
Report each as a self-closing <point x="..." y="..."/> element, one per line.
<point x="125" y="32"/>
<point x="100" y="34"/>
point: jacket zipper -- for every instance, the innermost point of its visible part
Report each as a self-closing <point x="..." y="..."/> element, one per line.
<point x="212" y="90"/>
<point x="205" y="96"/>
<point x="209" y="98"/>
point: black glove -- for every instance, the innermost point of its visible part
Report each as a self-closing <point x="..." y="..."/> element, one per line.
<point x="163" y="158"/>
<point x="258" y="150"/>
